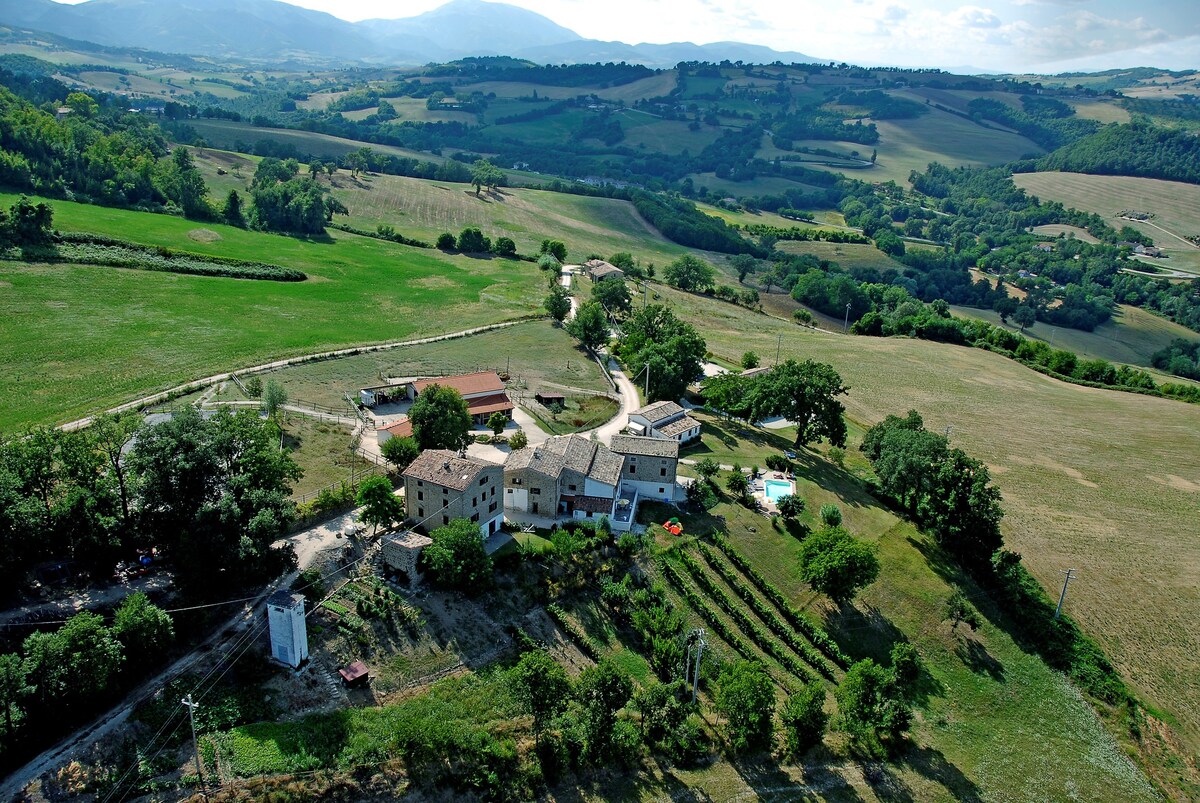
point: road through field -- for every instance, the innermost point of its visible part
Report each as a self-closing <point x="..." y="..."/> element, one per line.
<point x="198" y="384"/>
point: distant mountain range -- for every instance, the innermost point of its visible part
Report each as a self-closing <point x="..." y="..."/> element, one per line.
<point x="270" y="30"/>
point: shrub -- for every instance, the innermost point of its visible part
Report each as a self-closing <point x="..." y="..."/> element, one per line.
<point x="831" y="515"/>
<point x="804" y="718"/>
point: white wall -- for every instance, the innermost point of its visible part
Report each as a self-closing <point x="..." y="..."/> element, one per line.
<point x="516" y="499"/>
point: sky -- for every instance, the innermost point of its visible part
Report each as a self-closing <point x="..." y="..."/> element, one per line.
<point x="991" y="35"/>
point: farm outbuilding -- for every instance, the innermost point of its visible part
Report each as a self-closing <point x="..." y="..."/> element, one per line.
<point x="289" y="635"/>
<point x="547" y="399"/>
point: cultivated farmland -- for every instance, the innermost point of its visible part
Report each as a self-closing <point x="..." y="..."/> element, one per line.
<point x="1175" y="206"/>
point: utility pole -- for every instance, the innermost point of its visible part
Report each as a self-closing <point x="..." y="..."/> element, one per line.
<point x="696" y="672"/>
<point x="1070" y="575"/>
<point x="846" y="324"/>
<point x="191" y="707"/>
<point x="647" y="381"/>
<point x="778" y="344"/>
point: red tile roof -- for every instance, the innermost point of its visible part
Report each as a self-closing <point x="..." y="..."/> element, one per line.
<point x="489" y="404"/>
<point x="399" y="429"/>
<point x="480" y="383"/>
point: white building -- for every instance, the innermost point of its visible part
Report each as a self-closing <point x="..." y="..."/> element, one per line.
<point x="666" y="420"/>
<point x="289" y="636"/>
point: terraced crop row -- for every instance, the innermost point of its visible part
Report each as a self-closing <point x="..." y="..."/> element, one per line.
<point x="701" y="606"/>
<point x="581" y="639"/>
<point x="814" y="632"/>
<point x="766" y="613"/>
<point x="766" y="642"/>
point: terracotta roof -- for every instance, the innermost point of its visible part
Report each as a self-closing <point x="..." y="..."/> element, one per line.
<point x="445" y="468"/>
<point x="593" y="504"/>
<point x="605" y="271"/>
<point x="398" y="429"/>
<point x="481" y="382"/>
<point x="659" y="411"/>
<point x="353" y="672"/>
<point x="489" y="404"/>
<point x="645" y="447"/>
<point x="678" y="427"/>
<point x="753" y="372"/>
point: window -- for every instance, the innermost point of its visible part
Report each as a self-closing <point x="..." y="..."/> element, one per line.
<point x="661" y="490"/>
<point x="420" y="495"/>
<point x="482" y="481"/>
<point x="662" y="472"/>
<point x="535" y="491"/>
<point x="421" y="512"/>
<point x="509" y="491"/>
<point x="572" y="487"/>
<point x="445" y="519"/>
<point x="516" y="481"/>
<point x="492" y="507"/>
<point x="445" y="490"/>
<point x="420" y="484"/>
<point x="632" y="468"/>
<point x="493" y="493"/>
<point x="474" y="501"/>
<point x="475" y="517"/>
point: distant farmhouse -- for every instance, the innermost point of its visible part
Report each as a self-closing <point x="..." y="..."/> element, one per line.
<point x="441" y="486"/>
<point x="664" y="419"/>
<point x="598" y="270"/>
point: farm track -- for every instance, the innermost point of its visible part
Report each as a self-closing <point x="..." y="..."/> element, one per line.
<point x="199" y="384"/>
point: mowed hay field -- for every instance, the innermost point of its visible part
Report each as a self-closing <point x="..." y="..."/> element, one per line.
<point x="1131" y="336"/>
<point x="1104" y="482"/>
<point x="78" y="339"/>
<point x="227" y="133"/>
<point x="908" y="145"/>
<point x="1175" y="205"/>
<point x="425" y="209"/>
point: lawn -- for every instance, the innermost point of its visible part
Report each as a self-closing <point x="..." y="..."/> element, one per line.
<point x="979" y="732"/>
<point x="322" y="450"/>
<point x="1102" y="481"/>
<point x="1175" y="206"/>
<point x="535" y="354"/>
<point x="81" y="338"/>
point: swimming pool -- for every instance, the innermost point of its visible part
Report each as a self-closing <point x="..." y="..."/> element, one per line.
<point x="777" y="488"/>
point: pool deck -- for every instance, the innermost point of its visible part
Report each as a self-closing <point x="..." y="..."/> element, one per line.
<point x="760" y="489"/>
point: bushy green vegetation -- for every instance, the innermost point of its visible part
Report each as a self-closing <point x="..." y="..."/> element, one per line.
<point x="1133" y="149"/>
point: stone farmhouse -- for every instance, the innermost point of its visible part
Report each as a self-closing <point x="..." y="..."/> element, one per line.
<point x="571" y="476"/>
<point x="441" y="486"/>
<point x="599" y="270"/>
<point x="650" y="465"/>
<point x="665" y="420"/>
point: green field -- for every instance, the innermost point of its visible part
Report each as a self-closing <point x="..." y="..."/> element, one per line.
<point x="226" y="133"/>
<point x="848" y="255"/>
<point x="1131" y="336"/>
<point x="536" y="355"/>
<point x="1102" y="481"/>
<point x="1175" y="206"/>
<point x="908" y="145"/>
<point x="83" y="338"/>
<point x="427" y="208"/>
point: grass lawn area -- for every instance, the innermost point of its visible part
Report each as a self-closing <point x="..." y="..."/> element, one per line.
<point x="536" y="355"/>
<point x="322" y="450"/>
<point x="848" y="255"/>
<point x="121" y="333"/>
<point x="1090" y="477"/>
<point x="978" y="732"/>
<point x="580" y="412"/>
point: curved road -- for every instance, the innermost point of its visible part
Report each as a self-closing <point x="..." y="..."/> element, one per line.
<point x="198" y="384"/>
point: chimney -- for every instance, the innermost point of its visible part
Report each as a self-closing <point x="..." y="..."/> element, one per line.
<point x="446" y="466"/>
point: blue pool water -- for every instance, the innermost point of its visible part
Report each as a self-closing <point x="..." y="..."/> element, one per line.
<point x="776" y="489"/>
